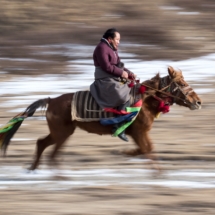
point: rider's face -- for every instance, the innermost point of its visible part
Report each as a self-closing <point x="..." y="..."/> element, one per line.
<point x="115" y="41"/>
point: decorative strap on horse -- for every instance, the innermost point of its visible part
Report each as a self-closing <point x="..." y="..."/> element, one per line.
<point x="164" y="103"/>
<point x="163" y="106"/>
<point x="128" y="116"/>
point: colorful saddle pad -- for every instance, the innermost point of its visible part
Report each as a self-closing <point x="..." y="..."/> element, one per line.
<point x="85" y="108"/>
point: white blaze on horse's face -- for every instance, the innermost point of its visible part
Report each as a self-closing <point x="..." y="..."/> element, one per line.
<point x="188" y="97"/>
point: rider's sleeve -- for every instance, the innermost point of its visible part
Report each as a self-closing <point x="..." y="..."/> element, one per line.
<point x="130" y="74"/>
<point x="104" y="62"/>
<point x="127" y="70"/>
<point x="121" y="63"/>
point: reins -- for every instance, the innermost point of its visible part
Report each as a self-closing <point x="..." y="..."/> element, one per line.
<point x="162" y="92"/>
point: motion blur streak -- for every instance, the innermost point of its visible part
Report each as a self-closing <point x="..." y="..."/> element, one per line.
<point x="46" y="49"/>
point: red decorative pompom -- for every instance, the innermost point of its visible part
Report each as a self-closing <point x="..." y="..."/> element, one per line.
<point x="131" y="84"/>
<point x="131" y="76"/>
<point x="142" y="89"/>
<point x="164" y="108"/>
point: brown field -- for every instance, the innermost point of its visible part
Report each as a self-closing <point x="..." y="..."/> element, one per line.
<point x="183" y="139"/>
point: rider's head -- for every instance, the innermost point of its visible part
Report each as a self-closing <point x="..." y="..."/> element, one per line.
<point x="113" y="37"/>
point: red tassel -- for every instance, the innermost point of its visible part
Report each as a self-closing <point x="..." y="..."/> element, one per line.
<point x="142" y="89"/>
<point x="131" y="76"/>
<point x="131" y="84"/>
<point x="163" y="108"/>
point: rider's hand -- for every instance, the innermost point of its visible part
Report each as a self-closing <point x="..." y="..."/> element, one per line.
<point x="124" y="75"/>
<point x="132" y="76"/>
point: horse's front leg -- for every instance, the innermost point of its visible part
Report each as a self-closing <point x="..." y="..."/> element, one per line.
<point x="145" y="145"/>
<point x="142" y="140"/>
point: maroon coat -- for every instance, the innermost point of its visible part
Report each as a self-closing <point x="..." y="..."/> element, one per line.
<point x="106" y="58"/>
<point x="107" y="89"/>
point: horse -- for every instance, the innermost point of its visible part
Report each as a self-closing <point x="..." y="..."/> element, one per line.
<point x="158" y="90"/>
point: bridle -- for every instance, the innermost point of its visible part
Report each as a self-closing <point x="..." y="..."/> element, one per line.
<point x="169" y="88"/>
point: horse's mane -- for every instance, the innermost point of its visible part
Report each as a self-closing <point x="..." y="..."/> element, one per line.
<point x="153" y="83"/>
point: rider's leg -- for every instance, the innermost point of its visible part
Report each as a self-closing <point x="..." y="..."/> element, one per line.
<point x="118" y="125"/>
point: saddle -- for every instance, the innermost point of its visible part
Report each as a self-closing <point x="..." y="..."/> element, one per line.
<point x="85" y="109"/>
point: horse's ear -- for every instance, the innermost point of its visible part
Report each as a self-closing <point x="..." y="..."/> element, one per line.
<point x="171" y="71"/>
<point x="181" y="74"/>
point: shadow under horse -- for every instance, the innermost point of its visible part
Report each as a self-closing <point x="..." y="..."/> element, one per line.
<point x="171" y="88"/>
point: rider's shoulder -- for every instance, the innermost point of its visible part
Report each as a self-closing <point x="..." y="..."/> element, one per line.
<point x="103" y="47"/>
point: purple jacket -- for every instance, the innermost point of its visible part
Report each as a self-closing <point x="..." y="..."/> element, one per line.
<point x="108" y="90"/>
<point x="107" y="59"/>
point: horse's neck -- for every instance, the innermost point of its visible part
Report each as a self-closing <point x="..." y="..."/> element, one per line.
<point x="151" y="99"/>
<point x="150" y="104"/>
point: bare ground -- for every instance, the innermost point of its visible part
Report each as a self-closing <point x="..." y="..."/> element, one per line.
<point x="184" y="140"/>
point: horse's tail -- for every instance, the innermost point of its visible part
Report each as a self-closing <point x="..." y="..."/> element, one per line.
<point x="8" y="130"/>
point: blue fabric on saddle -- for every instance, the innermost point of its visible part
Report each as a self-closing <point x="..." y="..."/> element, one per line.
<point x="85" y="109"/>
<point x="119" y="119"/>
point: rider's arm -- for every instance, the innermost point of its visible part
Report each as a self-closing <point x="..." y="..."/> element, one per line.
<point x="129" y="74"/>
<point x="102" y="57"/>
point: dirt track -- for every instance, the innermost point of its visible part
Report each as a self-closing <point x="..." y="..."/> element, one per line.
<point x="94" y="179"/>
<point x="98" y="181"/>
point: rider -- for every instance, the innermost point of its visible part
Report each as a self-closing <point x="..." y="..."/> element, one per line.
<point x="109" y="89"/>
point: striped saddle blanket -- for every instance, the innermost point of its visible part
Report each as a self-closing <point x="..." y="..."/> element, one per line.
<point x="85" y="109"/>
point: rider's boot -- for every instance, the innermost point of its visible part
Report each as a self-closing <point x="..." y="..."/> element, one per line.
<point x="122" y="134"/>
<point x="118" y="125"/>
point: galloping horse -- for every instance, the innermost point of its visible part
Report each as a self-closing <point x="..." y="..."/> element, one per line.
<point x="169" y="89"/>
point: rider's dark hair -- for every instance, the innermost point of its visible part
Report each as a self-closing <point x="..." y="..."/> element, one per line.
<point x="110" y="33"/>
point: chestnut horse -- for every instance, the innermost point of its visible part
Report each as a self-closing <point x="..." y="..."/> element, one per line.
<point x="169" y="89"/>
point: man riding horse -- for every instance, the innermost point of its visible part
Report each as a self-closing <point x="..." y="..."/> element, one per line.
<point x="110" y="89"/>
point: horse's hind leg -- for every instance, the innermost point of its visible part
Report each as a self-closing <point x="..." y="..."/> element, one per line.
<point x="58" y="145"/>
<point x="61" y="135"/>
<point x="42" y="144"/>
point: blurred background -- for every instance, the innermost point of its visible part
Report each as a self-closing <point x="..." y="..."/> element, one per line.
<point x="46" y="50"/>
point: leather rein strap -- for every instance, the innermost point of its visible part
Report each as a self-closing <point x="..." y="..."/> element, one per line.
<point x="170" y="95"/>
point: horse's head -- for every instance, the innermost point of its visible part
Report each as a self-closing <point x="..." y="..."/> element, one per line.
<point x="183" y="94"/>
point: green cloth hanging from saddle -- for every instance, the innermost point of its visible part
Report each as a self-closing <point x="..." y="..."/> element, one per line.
<point x="128" y="117"/>
<point x="123" y="127"/>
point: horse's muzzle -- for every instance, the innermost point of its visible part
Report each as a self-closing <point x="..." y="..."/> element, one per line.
<point x="196" y="105"/>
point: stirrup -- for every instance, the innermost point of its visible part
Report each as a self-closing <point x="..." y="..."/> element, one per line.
<point x="122" y="136"/>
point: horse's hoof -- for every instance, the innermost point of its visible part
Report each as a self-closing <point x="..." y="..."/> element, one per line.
<point x="31" y="168"/>
<point x="116" y="152"/>
<point x="131" y="152"/>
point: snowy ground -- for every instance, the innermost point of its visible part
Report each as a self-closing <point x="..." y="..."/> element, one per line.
<point x="90" y="175"/>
